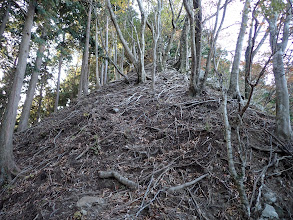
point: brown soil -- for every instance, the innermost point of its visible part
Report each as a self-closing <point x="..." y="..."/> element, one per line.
<point x="158" y="140"/>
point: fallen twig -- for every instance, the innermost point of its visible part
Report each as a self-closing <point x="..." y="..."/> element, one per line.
<point x="176" y="188"/>
<point x="121" y="179"/>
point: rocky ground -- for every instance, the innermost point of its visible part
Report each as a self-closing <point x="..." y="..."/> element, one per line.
<point x="121" y="152"/>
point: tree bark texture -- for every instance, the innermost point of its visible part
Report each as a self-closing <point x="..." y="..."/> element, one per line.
<point x="7" y="163"/>
<point x="234" y="78"/>
<point x="5" y="19"/>
<point x="283" y="124"/>
<point x="182" y="64"/>
<point x="24" y="118"/>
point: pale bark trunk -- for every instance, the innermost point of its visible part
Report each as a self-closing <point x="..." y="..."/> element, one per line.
<point x="283" y="125"/>
<point x="128" y="52"/>
<point x="234" y="78"/>
<point x="5" y="19"/>
<point x="250" y="53"/>
<point x="7" y="163"/>
<point x="117" y="75"/>
<point x="83" y="88"/>
<point x="195" y="35"/>
<point x="58" y="83"/>
<point x="137" y="62"/>
<point x="24" y="118"/>
<point x="156" y="35"/>
<point x="141" y="71"/>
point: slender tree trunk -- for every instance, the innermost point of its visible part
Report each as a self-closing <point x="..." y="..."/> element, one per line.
<point x="171" y="38"/>
<point x="58" y="83"/>
<point x="234" y="78"/>
<point x="83" y="88"/>
<point x="5" y="19"/>
<point x="140" y="69"/>
<point x="198" y="39"/>
<point x="117" y="75"/>
<point x="98" y="84"/>
<point x="182" y="64"/>
<point x="107" y="51"/>
<point x="7" y="163"/>
<point x="214" y="38"/>
<point x="193" y="78"/>
<point x="128" y="51"/>
<point x="43" y="80"/>
<point x="24" y="118"/>
<point x="156" y="36"/>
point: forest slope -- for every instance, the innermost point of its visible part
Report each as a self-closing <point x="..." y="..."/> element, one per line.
<point x="157" y="140"/>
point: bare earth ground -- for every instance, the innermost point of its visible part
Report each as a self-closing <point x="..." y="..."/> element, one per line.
<point x="157" y="140"/>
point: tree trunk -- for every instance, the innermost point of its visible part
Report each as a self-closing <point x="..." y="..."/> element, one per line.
<point x="24" y="118"/>
<point x="198" y="39"/>
<point x="106" y="49"/>
<point x="234" y="78"/>
<point x="283" y="126"/>
<point x="156" y="36"/>
<point x="7" y="163"/>
<point x="214" y="38"/>
<point x="98" y="84"/>
<point x="182" y="64"/>
<point x="5" y="19"/>
<point x="43" y="80"/>
<point x="137" y="62"/>
<point x="83" y="88"/>
<point x="171" y="38"/>
<point x="140" y="70"/>
<point x="195" y="35"/>
<point x="128" y="52"/>
<point x="58" y="83"/>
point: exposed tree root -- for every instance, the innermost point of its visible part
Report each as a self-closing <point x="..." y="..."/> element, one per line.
<point x="117" y="176"/>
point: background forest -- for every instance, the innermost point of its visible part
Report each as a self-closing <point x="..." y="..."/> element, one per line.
<point x="54" y="53"/>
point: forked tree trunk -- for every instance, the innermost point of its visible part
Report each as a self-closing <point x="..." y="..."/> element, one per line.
<point x="283" y="125"/>
<point x="137" y="62"/>
<point x="83" y="84"/>
<point x="24" y="118"/>
<point x="213" y="41"/>
<point x="7" y="163"/>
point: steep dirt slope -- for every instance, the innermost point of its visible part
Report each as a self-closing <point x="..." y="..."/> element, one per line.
<point x="156" y="140"/>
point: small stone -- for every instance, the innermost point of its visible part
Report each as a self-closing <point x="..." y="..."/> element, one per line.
<point x="115" y="110"/>
<point x="270" y="197"/>
<point x="83" y="212"/>
<point x="270" y="212"/>
<point x="88" y="201"/>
